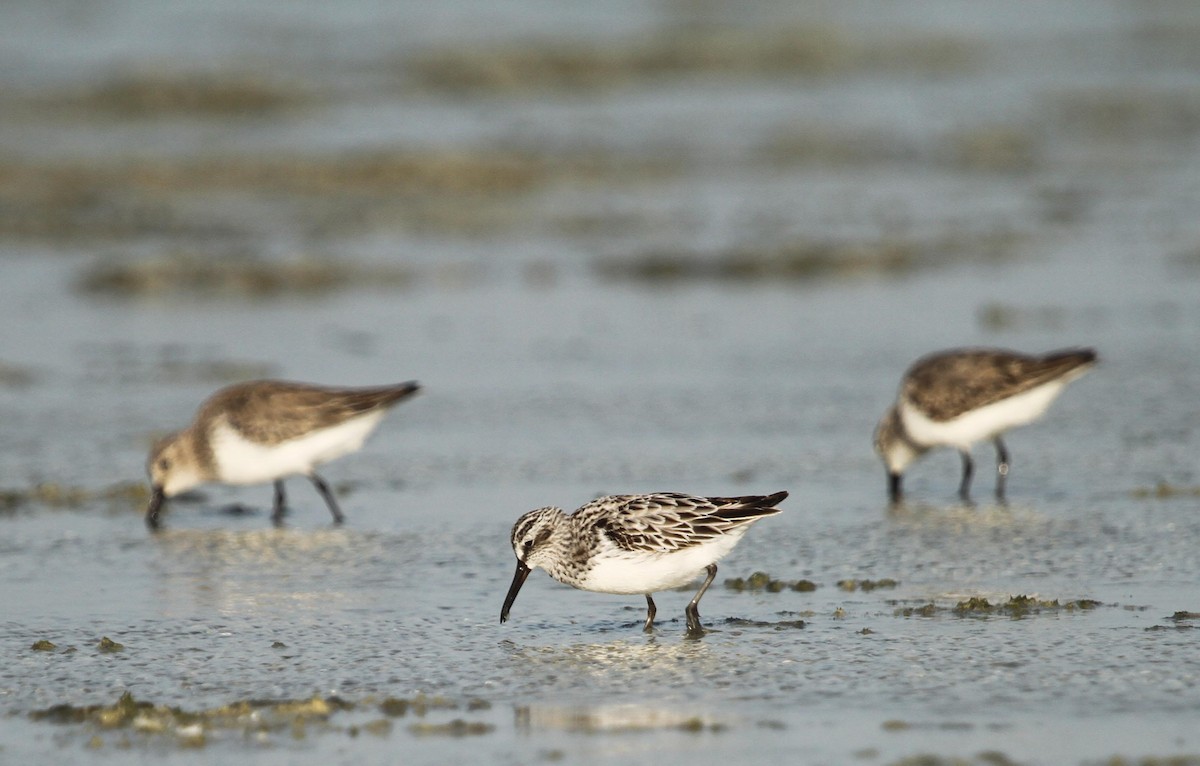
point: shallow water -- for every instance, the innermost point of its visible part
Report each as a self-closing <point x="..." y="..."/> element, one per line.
<point x="1033" y="185"/>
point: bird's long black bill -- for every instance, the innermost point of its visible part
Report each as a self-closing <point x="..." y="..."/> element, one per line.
<point x="156" y="500"/>
<point x="518" y="580"/>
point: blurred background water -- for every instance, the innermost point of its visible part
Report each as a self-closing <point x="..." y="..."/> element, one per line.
<point x="684" y="246"/>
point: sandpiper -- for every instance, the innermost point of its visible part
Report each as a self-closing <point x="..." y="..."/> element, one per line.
<point x="958" y="397"/>
<point x="266" y="430"/>
<point x="635" y="544"/>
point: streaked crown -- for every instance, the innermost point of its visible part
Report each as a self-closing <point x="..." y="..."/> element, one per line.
<point x="533" y="535"/>
<point x="885" y="432"/>
<point x="172" y="465"/>
<point x="892" y="444"/>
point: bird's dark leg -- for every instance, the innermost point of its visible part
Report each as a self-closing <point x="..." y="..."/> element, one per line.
<point x="1001" y="467"/>
<point x="278" y="509"/>
<point x="692" y="612"/>
<point x="964" y="489"/>
<point x="895" y="490"/>
<point x="650" y="612"/>
<point x="323" y="488"/>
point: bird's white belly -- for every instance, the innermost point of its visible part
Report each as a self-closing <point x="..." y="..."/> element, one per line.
<point x="983" y="423"/>
<point x="628" y="572"/>
<point x="240" y="461"/>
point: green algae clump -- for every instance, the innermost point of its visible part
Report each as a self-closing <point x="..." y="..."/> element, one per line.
<point x="928" y="610"/>
<point x="867" y="585"/>
<point x="758" y="580"/>
<point x="295" y="719"/>
<point x="1016" y="607"/>
<point x="63" y="496"/>
<point x="108" y="645"/>
<point x="394" y="707"/>
<point x="761" y="581"/>
<point x="456" y="728"/>
<point x="1020" y="606"/>
<point x="1164" y="491"/>
<point x="742" y="622"/>
<point x="113" y="716"/>
<point x="43" y="646"/>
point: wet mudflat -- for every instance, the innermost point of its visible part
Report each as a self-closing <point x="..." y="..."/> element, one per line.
<point x="689" y="250"/>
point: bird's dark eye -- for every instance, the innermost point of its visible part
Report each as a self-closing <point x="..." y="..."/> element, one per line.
<point x="163" y="463"/>
<point x="527" y="545"/>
